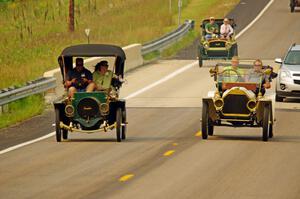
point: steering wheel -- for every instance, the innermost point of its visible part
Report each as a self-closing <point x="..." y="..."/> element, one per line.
<point x="233" y="75"/>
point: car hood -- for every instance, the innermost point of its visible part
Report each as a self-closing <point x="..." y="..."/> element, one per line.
<point x="292" y="68"/>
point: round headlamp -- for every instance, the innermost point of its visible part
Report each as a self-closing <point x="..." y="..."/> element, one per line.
<point x="104" y="108"/>
<point x="69" y="110"/>
<point x="251" y="105"/>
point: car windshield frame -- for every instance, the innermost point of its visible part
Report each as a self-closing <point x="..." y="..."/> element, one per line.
<point x="240" y="76"/>
<point x="293" y="53"/>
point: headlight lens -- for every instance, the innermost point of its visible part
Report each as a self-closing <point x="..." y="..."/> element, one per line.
<point x="104" y="108"/>
<point x="285" y="74"/>
<point x="219" y="103"/>
<point x="228" y="45"/>
<point x="69" y="110"/>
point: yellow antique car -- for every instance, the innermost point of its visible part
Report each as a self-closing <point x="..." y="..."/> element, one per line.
<point x="238" y="101"/>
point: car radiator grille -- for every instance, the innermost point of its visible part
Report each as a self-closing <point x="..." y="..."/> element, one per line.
<point x="296" y="81"/>
<point x="296" y="75"/>
<point x="88" y="108"/>
<point x="217" y="44"/>
<point x="235" y="104"/>
<point x="217" y="53"/>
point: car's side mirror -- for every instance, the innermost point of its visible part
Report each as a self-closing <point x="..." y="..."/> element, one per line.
<point x="278" y="60"/>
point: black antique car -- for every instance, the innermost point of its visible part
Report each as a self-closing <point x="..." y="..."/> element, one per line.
<point x="97" y="111"/>
<point x="294" y="4"/>
<point x="216" y="48"/>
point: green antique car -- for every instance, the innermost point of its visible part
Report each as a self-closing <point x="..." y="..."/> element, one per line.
<point x="97" y="111"/>
<point x="238" y="101"/>
<point x="216" y="48"/>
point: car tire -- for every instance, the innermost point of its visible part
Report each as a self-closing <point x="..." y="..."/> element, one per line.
<point x="119" y="124"/>
<point x="57" y="125"/>
<point x="204" y="124"/>
<point x="292" y="8"/>
<point x="265" y="125"/>
<point x="210" y="128"/>
<point x="278" y="98"/>
<point x="270" y="130"/>
<point x="200" y="59"/>
<point x="235" y="50"/>
<point x="124" y="120"/>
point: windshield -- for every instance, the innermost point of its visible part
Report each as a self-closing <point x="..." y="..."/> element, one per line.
<point x="293" y="58"/>
<point x="240" y="76"/>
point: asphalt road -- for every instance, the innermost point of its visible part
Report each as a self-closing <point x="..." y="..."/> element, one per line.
<point x="164" y="157"/>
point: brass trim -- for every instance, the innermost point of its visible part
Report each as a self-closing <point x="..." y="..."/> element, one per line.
<point x="71" y="129"/>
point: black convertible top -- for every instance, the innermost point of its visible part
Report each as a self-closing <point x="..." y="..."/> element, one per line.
<point x="94" y="50"/>
<point x="65" y="59"/>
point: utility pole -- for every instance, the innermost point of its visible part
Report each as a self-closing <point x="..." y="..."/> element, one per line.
<point x="71" y="16"/>
<point x="179" y="11"/>
<point x="170" y="6"/>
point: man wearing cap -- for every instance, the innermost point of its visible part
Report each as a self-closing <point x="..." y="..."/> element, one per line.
<point x="79" y="79"/>
<point x="102" y="76"/>
<point x="211" y="28"/>
<point x="226" y="30"/>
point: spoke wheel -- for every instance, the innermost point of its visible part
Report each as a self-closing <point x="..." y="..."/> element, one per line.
<point x="210" y="128"/>
<point x="57" y="126"/>
<point x="266" y="119"/>
<point x="119" y="124"/>
<point x="204" y="124"/>
<point x="124" y="120"/>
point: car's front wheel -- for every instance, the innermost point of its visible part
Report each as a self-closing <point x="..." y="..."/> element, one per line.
<point x="57" y="125"/>
<point x="119" y="124"/>
<point x="124" y="120"/>
<point x="266" y="122"/>
<point x="204" y="125"/>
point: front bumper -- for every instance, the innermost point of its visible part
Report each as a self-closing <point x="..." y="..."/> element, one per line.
<point x="288" y="88"/>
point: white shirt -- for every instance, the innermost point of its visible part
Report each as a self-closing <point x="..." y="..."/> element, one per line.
<point x="226" y="29"/>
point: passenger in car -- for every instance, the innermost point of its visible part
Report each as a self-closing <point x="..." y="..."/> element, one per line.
<point x="211" y="29"/>
<point x="256" y="74"/>
<point x="79" y="79"/>
<point x="226" y="30"/>
<point x="102" y="77"/>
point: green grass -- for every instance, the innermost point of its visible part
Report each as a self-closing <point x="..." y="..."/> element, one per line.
<point x="186" y="41"/>
<point x="22" y="109"/>
<point x="151" y="56"/>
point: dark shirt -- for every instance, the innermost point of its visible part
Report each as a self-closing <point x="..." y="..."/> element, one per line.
<point x="85" y="73"/>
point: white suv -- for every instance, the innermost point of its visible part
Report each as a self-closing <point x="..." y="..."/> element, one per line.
<point x="288" y="82"/>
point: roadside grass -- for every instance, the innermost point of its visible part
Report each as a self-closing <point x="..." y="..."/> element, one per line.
<point x="22" y="109"/>
<point x="186" y="41"/>
<point x="33" y="33"/>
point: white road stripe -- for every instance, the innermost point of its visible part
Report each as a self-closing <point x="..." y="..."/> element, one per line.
<point x="26" y="143"/>
<point x="166" y="78"/>
<point x="256" y="19"/>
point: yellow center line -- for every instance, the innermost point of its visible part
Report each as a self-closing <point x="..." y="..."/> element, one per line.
<point x="175" y="144"/>
<point x="198" y="134"/>
<point x="168" y="153"/>
<point x="126" y="177"/>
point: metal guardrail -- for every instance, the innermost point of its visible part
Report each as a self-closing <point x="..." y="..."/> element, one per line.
<point x="43" y="84"/>
<point x="169" y="38"/>
<point x="37" y="86"/>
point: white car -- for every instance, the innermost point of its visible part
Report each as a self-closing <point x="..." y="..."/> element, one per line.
<point x="288" y="82"/>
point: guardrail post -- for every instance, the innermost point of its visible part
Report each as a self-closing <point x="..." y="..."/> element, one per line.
<point x="4" y="109"/>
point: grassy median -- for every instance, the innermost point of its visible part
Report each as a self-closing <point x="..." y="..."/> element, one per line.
<point x="33" y="33"/>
